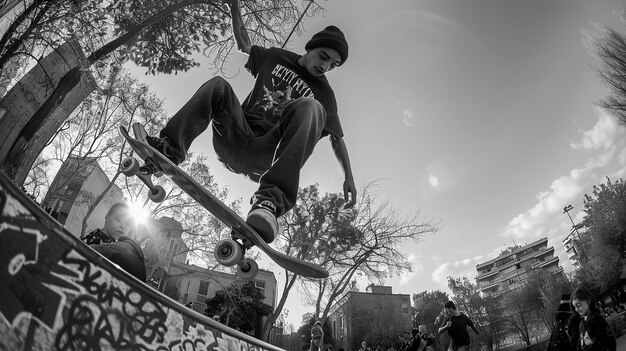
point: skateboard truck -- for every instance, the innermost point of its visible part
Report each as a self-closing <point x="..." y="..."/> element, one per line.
<point x="230" y="252"/>
<point x="130" y="167"/>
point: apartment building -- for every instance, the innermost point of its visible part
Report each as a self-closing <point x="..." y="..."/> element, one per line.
<point x="510" y="269"/>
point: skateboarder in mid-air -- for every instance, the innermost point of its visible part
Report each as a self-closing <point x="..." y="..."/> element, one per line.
<point x="270" y="136"/>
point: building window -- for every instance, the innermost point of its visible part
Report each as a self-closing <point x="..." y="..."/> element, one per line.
<point x="526" y="252"/>
<point x="203" y="291"/>
<point x="405" y="309"/>
<point x="260" y="285"/>
<point x="527" y="264"/>
<point x="508" y="270"/>
<point x="72" y="189"/>
<point x="503" y="261"/>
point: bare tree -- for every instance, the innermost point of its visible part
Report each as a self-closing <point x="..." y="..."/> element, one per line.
<point x="346" y="242"/>
<point x="609" y="46"/>
<point x="381" y="231"/>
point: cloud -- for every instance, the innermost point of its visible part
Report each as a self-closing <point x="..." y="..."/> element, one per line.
<point x="407" y="117"/>
<point x="605" y="143"/>
<point x="463" y="268"/>
<point x="415" y="261"/>
<point x="546" y="216"/>
<point x="601" y="136"/>
<point x="533" y="223"/>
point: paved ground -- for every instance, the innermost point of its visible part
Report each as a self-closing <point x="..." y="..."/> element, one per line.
<point x="621" y="343"/>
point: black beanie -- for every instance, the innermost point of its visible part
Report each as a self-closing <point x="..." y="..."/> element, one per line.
<point x="331" y="37"/>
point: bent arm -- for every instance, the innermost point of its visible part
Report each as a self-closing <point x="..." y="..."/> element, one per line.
<point x="341" y="152"/>
<point x="443" y="328"/>
<point x="239" y="30"/>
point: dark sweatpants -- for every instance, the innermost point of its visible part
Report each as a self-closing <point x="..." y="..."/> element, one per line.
<point x="271" y="156"/>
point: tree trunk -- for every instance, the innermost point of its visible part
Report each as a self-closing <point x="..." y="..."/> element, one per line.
<point x="71" y="79"/>
<point x="267" y="326"/>
<point x="10" y="50"/>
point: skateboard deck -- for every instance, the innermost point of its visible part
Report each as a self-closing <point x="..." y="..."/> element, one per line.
<point x="222" y="212"/>
<point x="56" y="293"/>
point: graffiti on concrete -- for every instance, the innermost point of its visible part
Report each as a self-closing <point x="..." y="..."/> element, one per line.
<point x="54" y="297"/>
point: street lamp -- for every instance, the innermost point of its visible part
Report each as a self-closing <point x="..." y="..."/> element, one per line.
<point x="566" y="210"/>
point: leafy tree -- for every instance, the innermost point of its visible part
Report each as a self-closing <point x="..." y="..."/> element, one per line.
<point x="46" y="24"/>
<point x="603" y="242"/>
<point x="428" y="305"/>
<point x="549" y="288"/>
<point x="374" y="326"/>
<point x="609" y="46"/>
<point x="240" y="305"/>
<point x="160" y="35"/>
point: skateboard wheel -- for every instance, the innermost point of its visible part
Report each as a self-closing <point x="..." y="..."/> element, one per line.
<point x="157" y="194"/>
<point x="129" y="166"/>
<point x="250" y="271"/>
<point x="228" y="252"/>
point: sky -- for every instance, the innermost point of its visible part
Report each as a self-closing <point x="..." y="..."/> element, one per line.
<point x="479" y="114"/>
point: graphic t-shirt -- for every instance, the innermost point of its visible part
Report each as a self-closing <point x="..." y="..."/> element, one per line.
<point x="596" y="334"/>
<point x="459" y="336"/>
<point x="279" y="81"/>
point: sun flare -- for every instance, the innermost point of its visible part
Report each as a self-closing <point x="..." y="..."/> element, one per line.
<point x="140" y="214"/>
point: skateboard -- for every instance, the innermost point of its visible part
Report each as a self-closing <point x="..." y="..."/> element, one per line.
<point x="56" y="293"/>
<point x="228" y="252"/>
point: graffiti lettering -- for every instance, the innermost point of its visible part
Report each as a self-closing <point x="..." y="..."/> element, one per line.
<point x="52" y="296"/>
<point x="110" y="313"/>
<point x="88" y="324"/>
<point x="184" y="345"/>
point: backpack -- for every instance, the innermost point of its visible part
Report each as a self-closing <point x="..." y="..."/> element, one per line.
<point x="560" y="340"/>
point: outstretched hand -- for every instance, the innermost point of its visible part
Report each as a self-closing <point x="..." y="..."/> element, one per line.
<point x="349" y="193"/>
